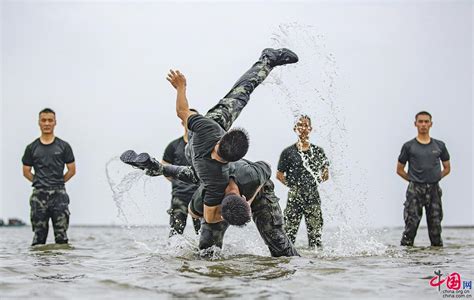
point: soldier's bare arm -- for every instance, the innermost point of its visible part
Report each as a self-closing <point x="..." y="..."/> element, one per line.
<point x="281" y="177"/>
<point x="27" y="173"/>
<point x="71" y="171"/>
<point x="178" y="81"/>
<point x="401" y="171"/>
<point x="446" y="168"/>
<point x="325" y="174"/>
<point x="212" y="214"/>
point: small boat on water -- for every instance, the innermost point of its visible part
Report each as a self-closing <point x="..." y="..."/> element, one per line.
<point x="14" y="222"/>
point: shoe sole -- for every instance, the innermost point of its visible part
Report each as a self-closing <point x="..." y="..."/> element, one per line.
<point x="142" y="160"/>
<point x="282" y="56"/>
<point x="128" y="156"/>
<point x="290" y="57"/>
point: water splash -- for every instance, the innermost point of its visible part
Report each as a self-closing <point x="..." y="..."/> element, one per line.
<point x="121" y="186"/>
<point x="311" y="87"/>
<point x="130" y="193"/>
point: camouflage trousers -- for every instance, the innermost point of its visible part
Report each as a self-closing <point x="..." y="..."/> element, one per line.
<point x="266" y="214"/>
<point x="308" y="204"/>
<point x="421" y="195"/>
<point x="179" y="215"/>
<point x="230" y="107"/>
<point x="46" y="204"/>
<point x="212" y="234"/>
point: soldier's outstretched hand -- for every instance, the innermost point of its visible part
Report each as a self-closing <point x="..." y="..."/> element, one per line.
<point x="176" y="79"/>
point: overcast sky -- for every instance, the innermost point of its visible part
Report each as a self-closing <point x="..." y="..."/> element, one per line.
<point x="366" y="68"/>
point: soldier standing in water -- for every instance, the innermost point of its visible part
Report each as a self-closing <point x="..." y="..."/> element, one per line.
<point x="181" y="192"/>
<point x="47" y="155"/>
<point x="302" y="166"/>
<point x="423" y="155"/>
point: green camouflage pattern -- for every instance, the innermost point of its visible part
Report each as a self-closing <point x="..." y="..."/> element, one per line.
<point x="178" y="216"/>
<point x="308" y="204"/>
<point x="230" y="107"/>
<point x="212" y="234"/>
<point x="268" y="218"/>
<point x="46" y="204"/>
<point x="421" y="195"/>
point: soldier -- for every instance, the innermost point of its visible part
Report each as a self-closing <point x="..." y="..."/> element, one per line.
<point x="211" y="144"/>
<point x="47" y="155"/>
<point x="423" y="155"/>
<point x="181" y="192"/>
<point x="252" y="180"/>
<point x="302" y="166"/>
<point x="249" y="179"/>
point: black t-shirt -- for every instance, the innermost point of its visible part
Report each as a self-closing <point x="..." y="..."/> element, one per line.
<point x="204" y="135"/>
<point x="48" y="162"/>
<point x="247" y="175"/>
<point x="424" y="160"/>
<point x="303" y="169"/>
<point x="174" y="155"/>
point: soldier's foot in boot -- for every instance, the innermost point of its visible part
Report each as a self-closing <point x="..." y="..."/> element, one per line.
<point x="128" y="157"/>
<point x="279" y="57"/>
<point x="151" y="165"/>
<point x="142" y="161"/>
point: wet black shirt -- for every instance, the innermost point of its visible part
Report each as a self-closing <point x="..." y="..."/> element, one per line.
<point x="303" y="169"/>
<point x="214" y="176"/>
<point x="247" y="175"/>
<point x="48" y="162"/>
<point x="174" y="155"/>
<point x="424" y="160"/>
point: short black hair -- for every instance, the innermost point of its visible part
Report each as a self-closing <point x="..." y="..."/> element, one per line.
<point x="47" y="111"/>
<point x="303" y="117"/>
<point x="235" y="210"/>
<point x="234" y="144"/>
<point x="423" y="113"/>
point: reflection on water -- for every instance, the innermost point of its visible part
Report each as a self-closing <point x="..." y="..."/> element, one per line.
<point x="60" y="277"/>
<point x="50" y="248"/>
<point x="113" y="263"/>
<point x="245" y="267"/>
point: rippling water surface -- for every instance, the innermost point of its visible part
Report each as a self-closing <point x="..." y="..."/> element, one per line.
<point x="142" y="262"/>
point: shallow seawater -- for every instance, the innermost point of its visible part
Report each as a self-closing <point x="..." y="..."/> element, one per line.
<point x="142" y="262"/>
